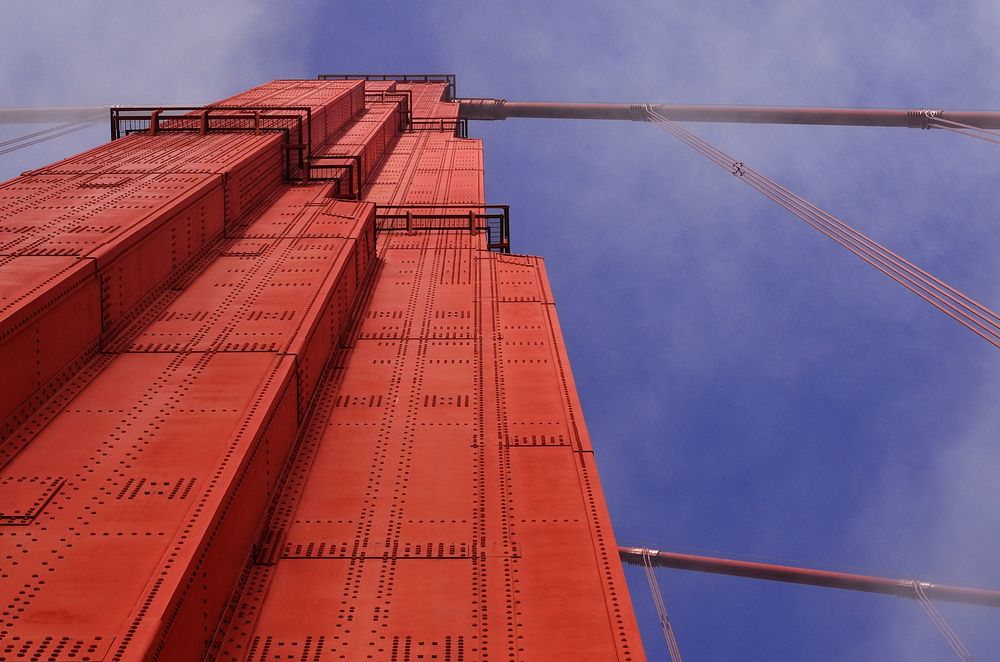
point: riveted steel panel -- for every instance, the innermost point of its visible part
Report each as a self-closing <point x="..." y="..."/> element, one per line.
<point x="47" y="644"/>
<point x="49" y="318"/>
<point x="138" y="153"/>
<point x="141" y="231"/>
<point x="335" y="218"/>
<point x="559" y="583"/>
<point x="332" y="103"/>
<point x="142" y="153"/>
<point x="338" y="487"/>
<point x="23" y="497"/>
<point x="233" y="505"/>
<point x="517" y="278"/>
<point x="275" y="216"/>
<point x="144" y="261"/>
<point x="369" y="137"/>
<point x="446" y="384"/>
<point x="539" y="394"/>
<point x="251" y="179"/>
<point x="134" y="475"/>
<point x="251" y="165"/>
<point x="388" y="314"/>
<point x="311" y="444"/>
<point x="254" y="296"/>
<point x="93" y="213"/>
<point x="440" y="505"/>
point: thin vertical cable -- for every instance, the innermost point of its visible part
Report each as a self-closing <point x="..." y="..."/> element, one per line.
<point x="937" y="122"/>
<point x="661" y="607"/>
<point x="966" y="311"/>
<point x="37" y="137"/>
<point x="963" y="653"/>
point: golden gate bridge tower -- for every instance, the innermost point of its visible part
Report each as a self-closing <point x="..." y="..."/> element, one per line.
<point x="275" y="388"/>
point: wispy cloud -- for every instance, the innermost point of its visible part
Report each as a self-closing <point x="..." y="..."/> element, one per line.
<point x="749" y="387"/>
<point x="76" y="52"/>
<point x="771" y="395"/>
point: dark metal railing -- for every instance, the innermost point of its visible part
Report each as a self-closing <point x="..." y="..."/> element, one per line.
<point x="448" y="79"/>
<point x="344" y="170"/>
<point x="459" y="126"/>
<point x="291" y="121"/>
<point x="492" y="219"/>
<point x="403" y="97"/>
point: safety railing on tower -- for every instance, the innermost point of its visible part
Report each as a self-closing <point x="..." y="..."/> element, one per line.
<point x="447" y="79"/>
<point x="492" y="219"/>
<point x="458" y="126"/>
<point x="343" y="170"/>
<point x="403" y="97"/>
<point x="288" y="120"/>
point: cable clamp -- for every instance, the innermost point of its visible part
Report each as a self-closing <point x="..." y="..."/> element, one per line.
<point x="923" y="118"/>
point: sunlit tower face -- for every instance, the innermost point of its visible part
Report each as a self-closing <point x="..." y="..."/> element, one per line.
<point x="282" y="390"/>
<point x="276" y="354"/>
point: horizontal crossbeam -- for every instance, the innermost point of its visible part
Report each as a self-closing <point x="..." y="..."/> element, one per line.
<point x="500" y="109"/>
<point x="904" y="588"/>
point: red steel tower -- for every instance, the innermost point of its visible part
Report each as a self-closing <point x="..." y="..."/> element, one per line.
<point x="274" y="388"/>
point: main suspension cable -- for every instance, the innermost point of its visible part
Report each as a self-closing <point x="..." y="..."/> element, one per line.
<point x="966" y="311"/>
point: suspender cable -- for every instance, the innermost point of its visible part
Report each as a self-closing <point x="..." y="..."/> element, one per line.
<point x="842" y="230"/>
<point x="36" y="133"/>
<point x="963" y="653"/>
<point x="661" y="607"/>
<point x="873" y="253"/>
<point x="36" y="137"/>
<point x="966" y="311"/>
<point x="937" y="122"/>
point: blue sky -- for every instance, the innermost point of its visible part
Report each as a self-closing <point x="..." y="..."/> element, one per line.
<point x="752" y="389"/>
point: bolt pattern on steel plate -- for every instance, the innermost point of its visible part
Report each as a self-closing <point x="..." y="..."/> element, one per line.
<point x="246" y="425"/>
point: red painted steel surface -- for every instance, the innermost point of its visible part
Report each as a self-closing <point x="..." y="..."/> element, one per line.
<point x="236" y="426"/>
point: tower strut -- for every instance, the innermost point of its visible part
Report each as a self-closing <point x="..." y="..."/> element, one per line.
<point x="904" y="588"/>
<point x="922" y="118"/>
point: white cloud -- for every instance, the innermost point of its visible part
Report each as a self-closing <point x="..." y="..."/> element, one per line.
<point x="671" y="279"/>
<point x="76" y="52"/>
<point x="671" y="274"/>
